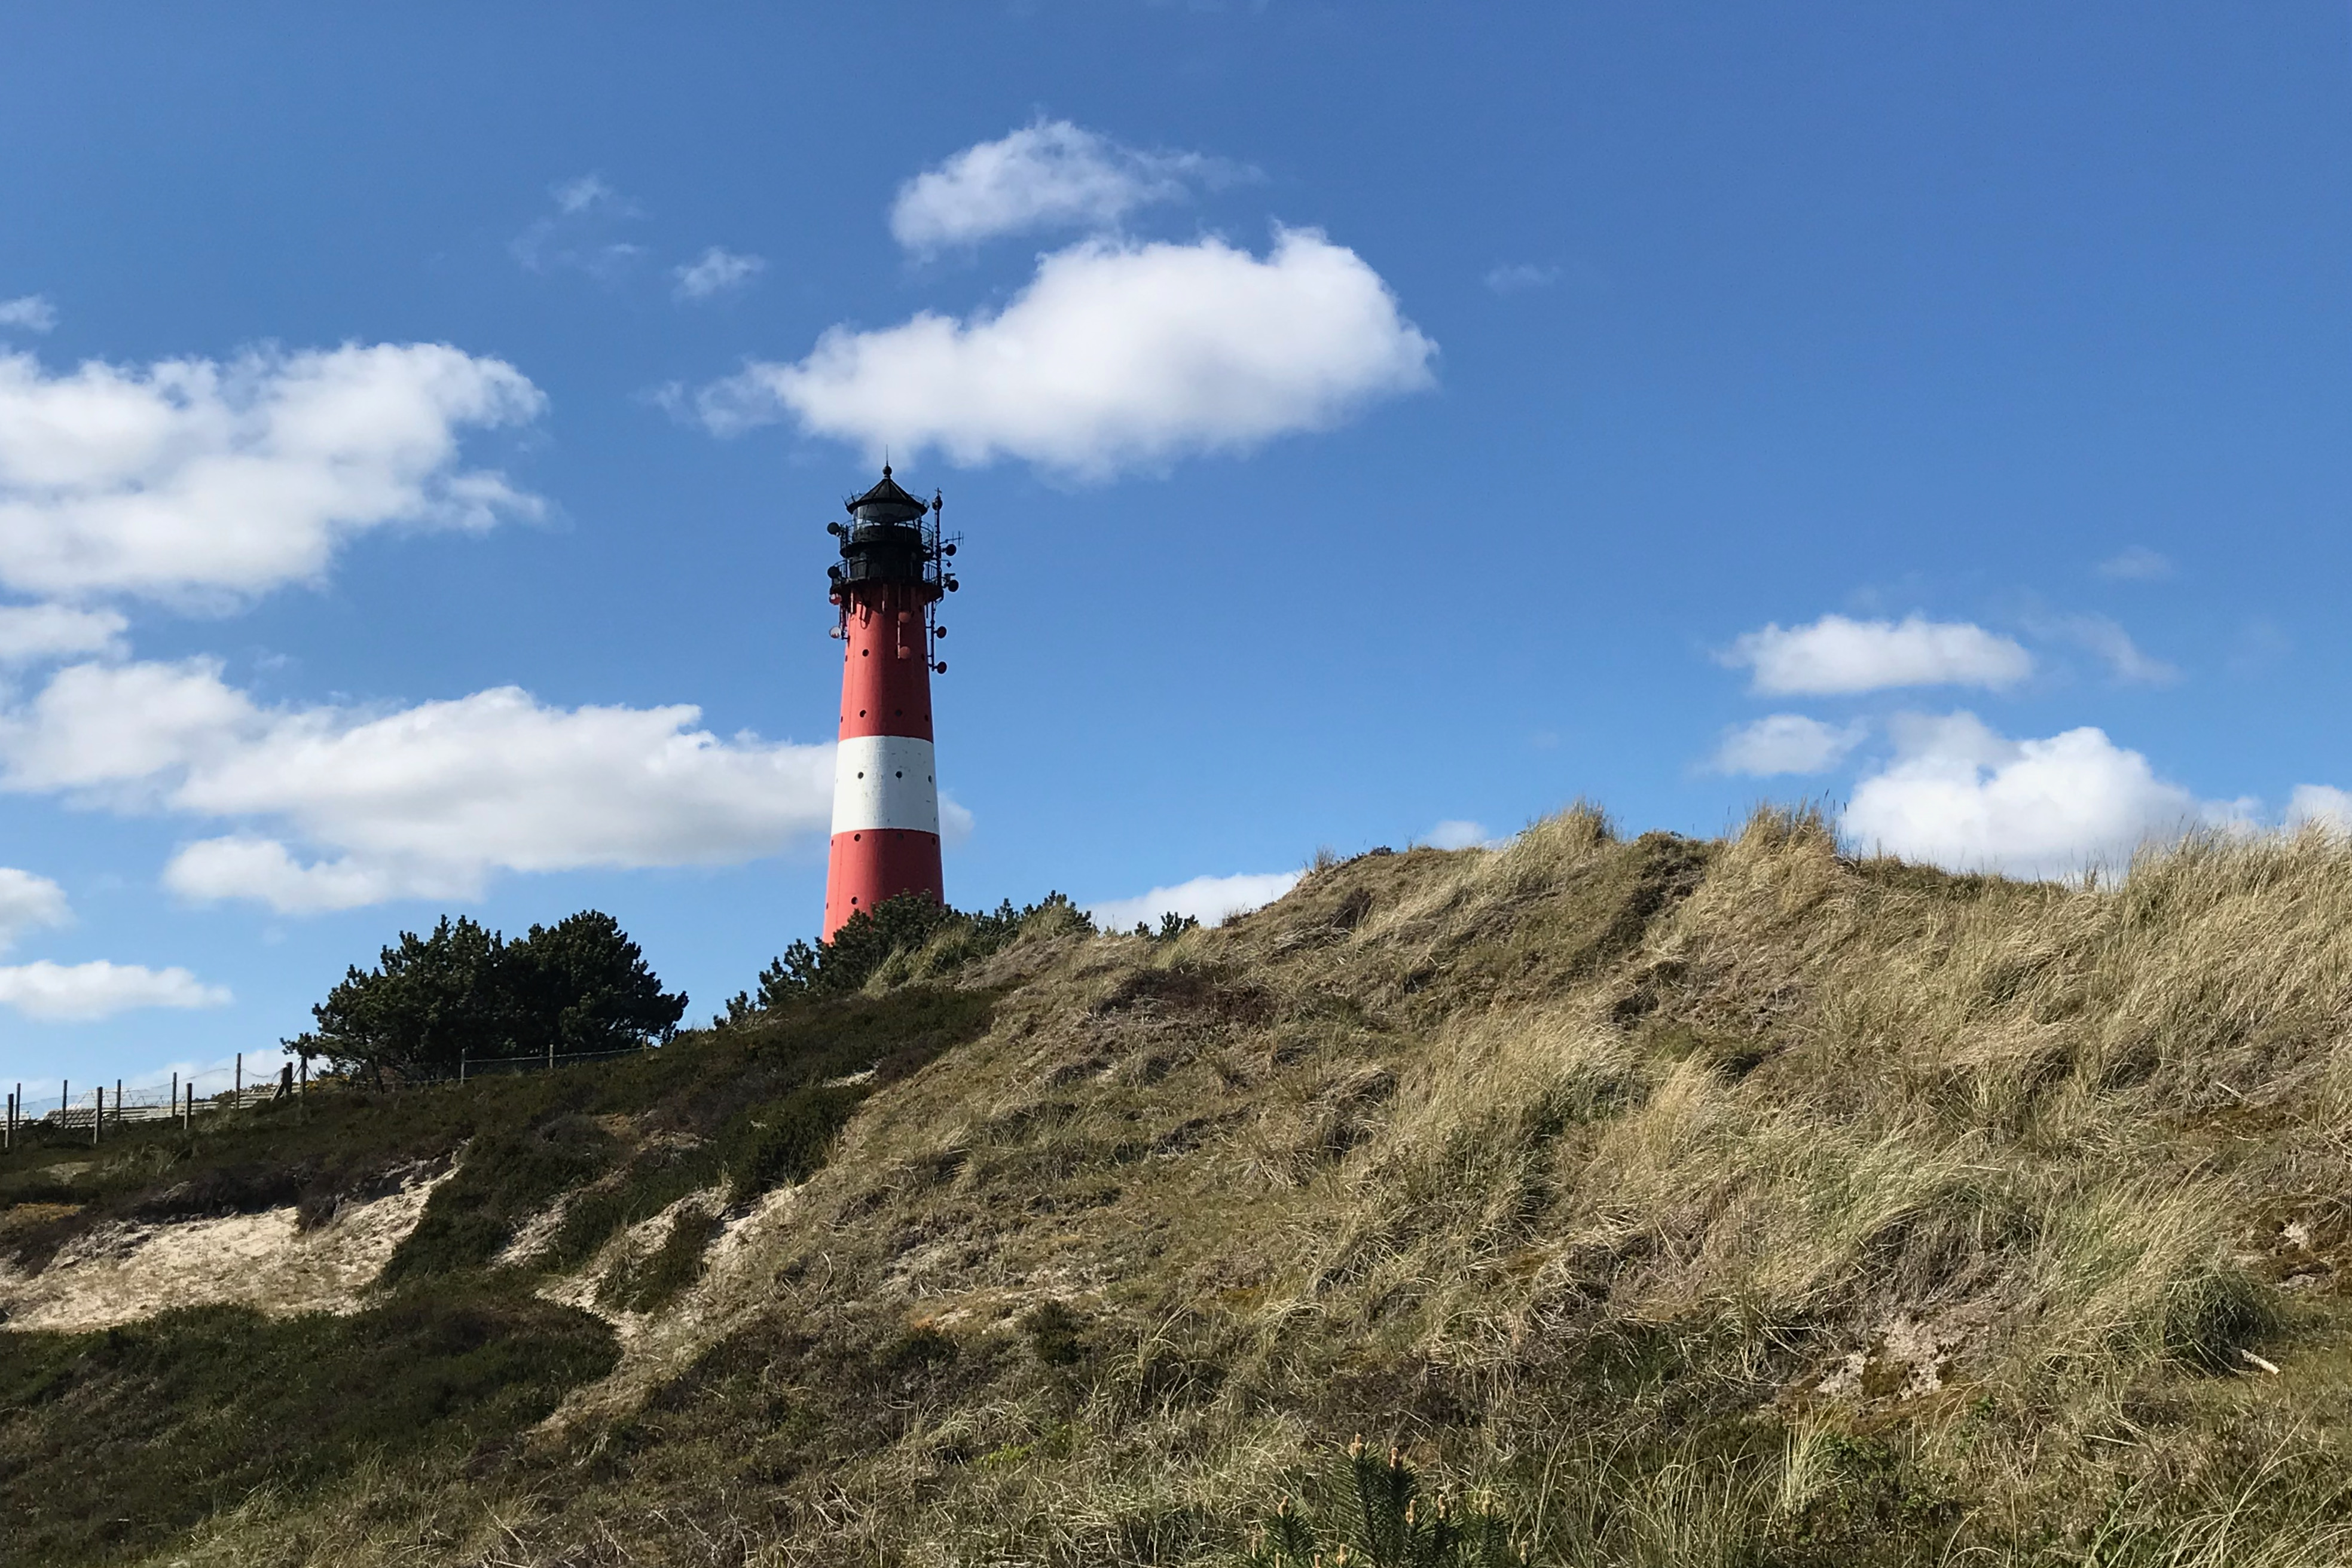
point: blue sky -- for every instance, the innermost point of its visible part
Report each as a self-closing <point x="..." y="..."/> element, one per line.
<point x="1367" y="424"/>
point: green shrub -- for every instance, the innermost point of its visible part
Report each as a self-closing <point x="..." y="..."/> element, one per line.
<point x="893" y="928"/>
<point x="1172" y="927"/>
<point x="1379" y="1516"/>
<point x="505" y="1178"/>
<point x="577" y="987"/>
<point x="669" y="1270"/>
<point x="753" y="1108"/>
<point x="114" y="1440"/>
<point x="1054" y="1335"/>
<point x="2212" y="1315"/>
<point x="652" y="1181"/>
<point x="920" y="1349"/>
<point x="787" y="1142"/>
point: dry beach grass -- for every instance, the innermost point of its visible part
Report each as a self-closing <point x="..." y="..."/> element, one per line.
<point x="1728" y="1202"/>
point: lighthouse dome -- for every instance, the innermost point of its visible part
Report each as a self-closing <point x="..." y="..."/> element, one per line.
<point x="887" y="502"/>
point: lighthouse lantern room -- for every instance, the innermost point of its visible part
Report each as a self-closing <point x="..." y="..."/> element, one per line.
<point x="885" y="798"/>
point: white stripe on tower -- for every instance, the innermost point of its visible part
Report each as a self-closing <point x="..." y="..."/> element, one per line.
<point x="885" y="781"/>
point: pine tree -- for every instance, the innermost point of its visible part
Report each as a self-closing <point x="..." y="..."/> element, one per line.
<point x="465" y="993"/>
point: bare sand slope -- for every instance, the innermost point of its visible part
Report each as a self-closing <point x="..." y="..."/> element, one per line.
<point x="125" y="1272"/>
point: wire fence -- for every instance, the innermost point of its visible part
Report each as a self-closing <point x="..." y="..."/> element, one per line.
<point x="93" y="1108"/>
<point x="536" y="1062"/>
<point x="242" y="1082"/>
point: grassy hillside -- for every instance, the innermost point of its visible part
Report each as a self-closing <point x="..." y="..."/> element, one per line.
<point x="1687" y="1203"/>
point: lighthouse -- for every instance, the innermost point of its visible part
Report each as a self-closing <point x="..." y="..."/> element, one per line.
<point x="886" y="792"/>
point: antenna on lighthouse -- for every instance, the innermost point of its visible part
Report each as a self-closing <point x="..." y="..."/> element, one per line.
<point x="885" y="805"/>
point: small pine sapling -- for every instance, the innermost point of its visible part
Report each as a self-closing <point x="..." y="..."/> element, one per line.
<point x="1381" y="1519"/>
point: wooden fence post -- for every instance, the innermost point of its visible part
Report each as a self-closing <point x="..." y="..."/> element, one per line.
<point x="117" y="1102"/>
<point x="98" y="1100"/>
<point x="236" y="1086"/>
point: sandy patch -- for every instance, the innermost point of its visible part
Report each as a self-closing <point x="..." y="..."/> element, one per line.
<point x="532" y="1235"/>
<point x="736" y="1279"/>
<point x="122" y="1273"/>
<point x="1909" y="1356"/>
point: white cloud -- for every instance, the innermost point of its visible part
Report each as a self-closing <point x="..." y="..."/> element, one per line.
<point x="589" y="193"/>
<point x="2320" y="804"/>
<point x="1960" y="796"/>
<point x="196" y="481"/>
<point x="1116" y="356"/>
<point x="2138" y="564"/>
<point x="2112" y="643"/>
<point x="187" y="1072"/>
<point x="31" y="632"/>
<point x="1049" y="175"/>
<point x="715" y="272"/>
<point x="1459" y="834"/>
<point x="1517" y="278"/>
<point x="1208" y="899"/>
<point x="78" y="993"/>
<point x="266" y="870"/>
<point x="1785" y="743"/>
<point x="1835" y="655"/>
<point x="580" y="236"/>
<point x="29" y="901"/>
<point x="31" y="311"/>
<point x="424" y="801"/>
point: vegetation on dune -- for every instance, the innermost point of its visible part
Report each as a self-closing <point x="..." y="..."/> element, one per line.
<point x="577" y="988"/>
<point x="112" y="1441"/>
<point x="1647" y="1202"/>
<point x="1376" y="1515"/>
<point x="907" y="937"/>
<point x="738" y="1112"/>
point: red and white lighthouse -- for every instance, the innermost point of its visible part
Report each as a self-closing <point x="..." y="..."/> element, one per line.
<point x="886" y="792"/>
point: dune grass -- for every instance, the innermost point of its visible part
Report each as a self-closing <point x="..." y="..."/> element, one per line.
<point x="1726" y="1202"/>
<point x="115" y="1440"/>
<point x="110" y="1441"/>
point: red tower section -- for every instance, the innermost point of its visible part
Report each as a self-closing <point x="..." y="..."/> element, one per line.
<point x="886" y="797"/>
